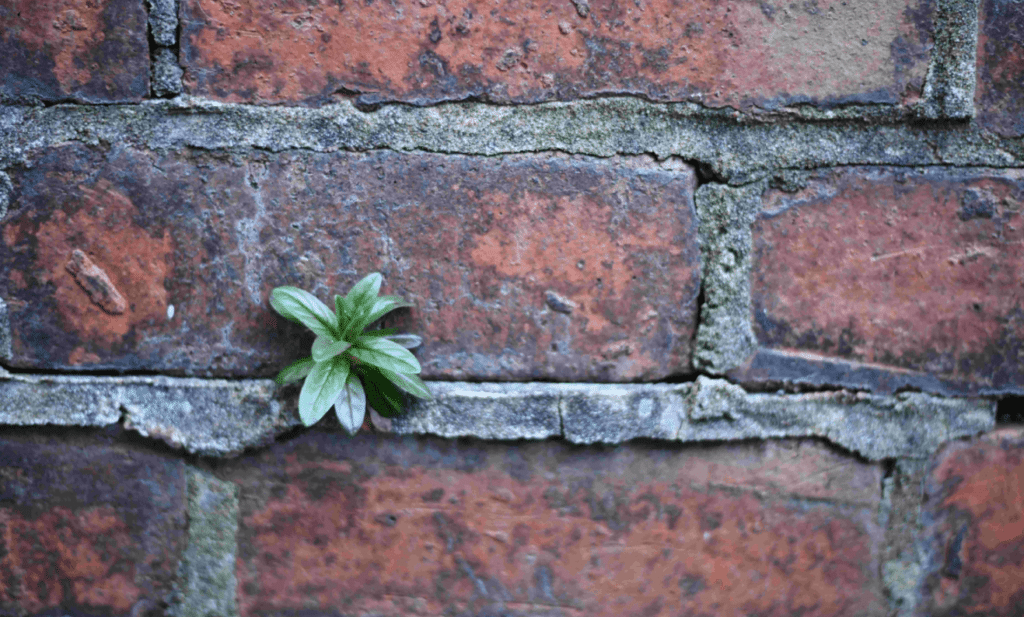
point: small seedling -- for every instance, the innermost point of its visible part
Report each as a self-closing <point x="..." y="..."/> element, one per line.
<point x="349" y="365"/>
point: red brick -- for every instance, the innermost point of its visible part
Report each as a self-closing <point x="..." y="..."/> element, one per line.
<point x="92" y="51"/>
<point x="975" y="531"/>
<point x="898" y="270"/>
<point x="719" y="53"/>
<point x="87" y="528"/>
<point x="387" y="526"/>
<point x="1000" y="93"/>
<point x="476" y="243"/>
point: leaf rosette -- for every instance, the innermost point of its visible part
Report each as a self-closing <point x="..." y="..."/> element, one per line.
<point x="350" y="367"/>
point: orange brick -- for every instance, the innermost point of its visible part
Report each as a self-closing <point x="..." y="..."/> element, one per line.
<point x="90" y="51"/>
<point x="389" y="526"/>
<point x="718" y="53"/>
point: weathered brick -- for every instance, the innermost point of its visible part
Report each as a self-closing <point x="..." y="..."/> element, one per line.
<point x="1000" y="93"/>
<point x="974" y="530"/>
<point x="93" y="51"/>
<point x="519" y="267"/>
<point x="910" y="278"/>
<point x="87" y="528"/>
<point x="743" y="55"/>
<point x="388" y="526"/>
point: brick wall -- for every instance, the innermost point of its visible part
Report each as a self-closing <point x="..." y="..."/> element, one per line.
<point x="722" y="306"/>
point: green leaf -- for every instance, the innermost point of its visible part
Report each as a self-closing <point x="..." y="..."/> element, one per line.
<point x="299" y="305"/>
<point x="322" y="387"/>
<point x="384" y="354"/>
<point x="388" y="332"/>
<point x="381" y="394"/>
<point x="343" y="309"/>
<point x="351" y="404"/>
<point x="410" y="383"/>
<point x="325" y="347"/>
<point x="365" y="289"/>
<point x="295" y="371"/>
<point x="380" y="308"/>
<point x="409" y="341"/>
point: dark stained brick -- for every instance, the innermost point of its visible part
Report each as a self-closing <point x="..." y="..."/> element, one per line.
<point x="480" y="245"/>
<point x="1000" y="93"/>
<point x="91" y="51"/>
<point x="974" y="527"/>
<point x="763" y="54"/>
<point x="388" y="526"/>
<point x="87" y="528"/>
<point x="913" y="277"/>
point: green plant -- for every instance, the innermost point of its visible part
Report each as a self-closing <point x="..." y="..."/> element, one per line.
<point x="350" y="366"/>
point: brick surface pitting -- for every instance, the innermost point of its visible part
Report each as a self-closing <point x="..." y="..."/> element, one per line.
<point x="87" y="527"/>
<point x="742" y="55"/>
<point x="974" y="528"/>
<point x="388" y="527"/>
<point x="912" y="275"/>
<point x="194" y="243"/>
<point x="1000" y="94"/>
<point x="92" y="51"/>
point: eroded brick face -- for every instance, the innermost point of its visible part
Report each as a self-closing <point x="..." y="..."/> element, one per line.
<point x="718" y="53"/>
<point x="1000" y="94"/>
<point x="87" y="528"/>
<point x="519" y="267"/>
<point x="388" y="526"/>
<point x="90" y="51"/>
<point x="897" y="270"/>
<point x="975" y="531"/>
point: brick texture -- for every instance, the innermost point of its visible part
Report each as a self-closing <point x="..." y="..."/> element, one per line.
<point x="519" y="267"/>
<point x="763" y="54"/>
<point x="1000" y="94"/>
<point x="389" y="526"/>
<point x="92" y="51"/>
<point x="87" y="528"/>
<point x="975" y="531"/>
<point x="897" y="270"/>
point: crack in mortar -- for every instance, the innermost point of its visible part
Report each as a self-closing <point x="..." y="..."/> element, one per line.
<point x="736" y="151"/>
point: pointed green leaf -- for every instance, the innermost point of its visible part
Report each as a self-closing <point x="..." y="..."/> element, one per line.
<point x="325" y="347"/>
<point x="384" y="354"/>
<point x="322" y="387"/>
<point x="294" y="371"/>
<point x="302" y="306"/>
<point x="351" y="404"/>
<point x="381" y="394"/>
<point x="380" y="308"/>
<point x="410" y="383"/>
<point x="409" y="341"/>
<point x="367" y="288"/>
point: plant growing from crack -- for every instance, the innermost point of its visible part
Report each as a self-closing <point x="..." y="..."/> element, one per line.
<point x="350" y="366"/>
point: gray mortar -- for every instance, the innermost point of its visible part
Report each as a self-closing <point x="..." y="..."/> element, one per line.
<point x="208" y="417"/>
<point x="222" y="418"/>
<point x="6" y="189"/>
<point x="166" y="74"/>
<point x="900" y="516"/>
<point x="163" y="22"/>
<point x="487" y="411"/>
<point x="950" y="82"/>
<point x="206" y="584"/>
<point x="736" y="148"/>
<point x="725" y="337"/>
<point x="5" y="332"/>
